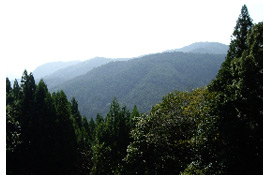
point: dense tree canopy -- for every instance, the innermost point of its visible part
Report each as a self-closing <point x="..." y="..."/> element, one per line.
<point x="46" y="133"/>
<point x="239" y="106"/>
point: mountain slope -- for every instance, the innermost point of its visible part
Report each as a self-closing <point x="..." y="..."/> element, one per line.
<point x="70" y="72"/>
<point x="49" y="68"/>
<point x="204" y="47"/>
<point x="141" y="81"/>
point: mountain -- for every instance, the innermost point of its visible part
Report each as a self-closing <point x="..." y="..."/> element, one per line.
<point x="70" y="72"/>
<point x="49" y="68"/>
<point x="140" y="81"/>
<point x="204" y="47"/>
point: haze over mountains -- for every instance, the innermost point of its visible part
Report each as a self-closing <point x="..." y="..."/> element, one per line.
<point x="204" y="47"/>
<point x="70" y="71"/>
<point x="141" y="81"/>
<point x="50" y="68"/>
<point x="55" y="73"/>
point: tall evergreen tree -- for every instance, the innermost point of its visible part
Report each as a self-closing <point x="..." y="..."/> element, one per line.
<point x="8" y="86"/>
<point x="239" y="37"/>
<point x="65" y="139"/>
<point x="13" y="131"/>
<point x="112" y="139"/>
<point x="237" y="46"/>
<point x="239" y="99"/>
<point x="26" y="120"/>
<point x="75" y="112"/>
<point x="43" y="130"/>
<point x="16" y="90"/>
<point x="9" y="98"/>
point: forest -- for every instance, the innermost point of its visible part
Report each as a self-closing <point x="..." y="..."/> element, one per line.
<point x="140" y="81"/>
<point x="215" y="129"/>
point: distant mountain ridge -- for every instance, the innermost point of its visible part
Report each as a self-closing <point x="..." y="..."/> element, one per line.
<point x="204" y="47"/>
<point x="49" y="68"/>
<point x="59" y="72"/>
<point x="140" y="81"/>
<point x="62" y="75"/>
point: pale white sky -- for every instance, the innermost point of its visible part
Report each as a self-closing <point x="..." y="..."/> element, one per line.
<point x="36" y="32"/>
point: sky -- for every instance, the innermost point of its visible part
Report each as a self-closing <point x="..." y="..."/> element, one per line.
<point x="36" y="32"/>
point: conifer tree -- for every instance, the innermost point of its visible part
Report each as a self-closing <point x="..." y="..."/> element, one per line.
<point x="237" y="46"/>
<point x="237" y="106"/>
<point x="65" y="138"/>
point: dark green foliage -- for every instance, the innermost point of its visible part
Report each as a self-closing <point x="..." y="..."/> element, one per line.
<point x="40" y="133"/>
<point x="65" y="148"/>
<point x="237" y="46"/>
<point x="9" y="93"/>
<point x="8" y="86"/>
<point x="135" y="112"/>
<point x="75" y="112"/>
<point x="13" y="139"/>
<point x="223" y="133"/>
<point x="239" y="37"/>
<point x="56" y="139"/>
<point x="92" y="128"/>
<point x="239" y="100"/>
<point x="111" y="141"/>
<point x="165" y="141"/>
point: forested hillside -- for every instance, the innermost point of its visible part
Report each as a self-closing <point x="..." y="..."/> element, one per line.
<point x="49" y="68"/>
<point x="141" y="81"/>
<point x="204" y="47"/>
<point x="216" y="129"/>
<point x="67" y="73"/>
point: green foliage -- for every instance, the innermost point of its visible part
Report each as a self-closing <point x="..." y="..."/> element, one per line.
<point x="239" y="37"/>
<point x="222" y="134"/>
<point x="135" y="112"/>
<point x="112" y="139"/>
<point x="101" y="159"/>
<point x="40" y="133"/>
<point x="164" y="141"/>
<point x="239" y="100"/>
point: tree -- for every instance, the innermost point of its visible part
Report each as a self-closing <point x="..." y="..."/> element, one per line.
<point x="165" y="141"/>
<point x="13" y="139"/>
<point x="42" y="130"/>
<point x="75" y="112"/>
<point x="92" y="127"/>
<point x="238" y="105"/>
<point x="26" y="106"/>
<point x="237" y="46"/>
<point x="16" y="90"/>
<point x="250" y="109"/>
<point x="40" y="135"/>
<point x="13" y="127"/>
<point x="239" y="37"/>
<point x="65" y="138"/>
<point x="8" y="86"/>
<point x="112" y="139"/>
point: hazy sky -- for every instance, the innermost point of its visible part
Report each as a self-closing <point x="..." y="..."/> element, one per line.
<point x="35" y="32"/>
